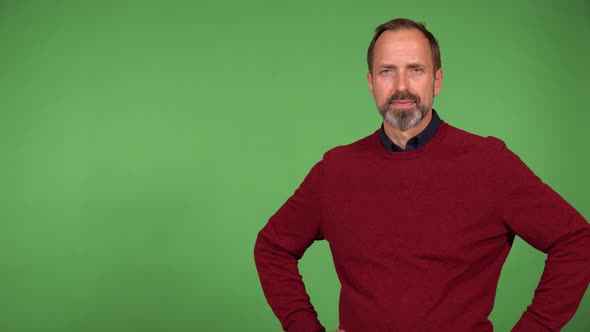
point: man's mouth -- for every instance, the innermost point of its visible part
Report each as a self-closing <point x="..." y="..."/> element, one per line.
<point x="403" y="103"/>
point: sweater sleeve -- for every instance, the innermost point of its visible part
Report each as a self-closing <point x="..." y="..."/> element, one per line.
<point x="279" y="246"/>
<point x="537" y="214"/>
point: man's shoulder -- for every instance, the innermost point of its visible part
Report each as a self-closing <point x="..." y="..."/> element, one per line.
<point x="359" y="147"/>
<point x="458" y="139"/>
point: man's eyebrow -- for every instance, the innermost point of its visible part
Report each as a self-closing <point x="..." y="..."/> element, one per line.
<point x="410" y="65"/>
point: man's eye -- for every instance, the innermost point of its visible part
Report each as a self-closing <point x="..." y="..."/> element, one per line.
<point x="385" y="71"/>
<point x="417" y="70"/>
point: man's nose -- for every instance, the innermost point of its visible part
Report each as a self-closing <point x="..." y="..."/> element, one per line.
<point x="402" y="83"/>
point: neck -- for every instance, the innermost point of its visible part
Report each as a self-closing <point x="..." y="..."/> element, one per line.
<point x="401" y="138"/>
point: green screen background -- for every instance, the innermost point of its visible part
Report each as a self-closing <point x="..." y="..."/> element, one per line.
<point x="145" y="143"/>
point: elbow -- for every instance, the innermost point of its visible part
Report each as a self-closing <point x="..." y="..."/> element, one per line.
<point x="574" y="246"/>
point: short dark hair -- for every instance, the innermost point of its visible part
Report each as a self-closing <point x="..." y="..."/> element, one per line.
<point x="404" y="23"/>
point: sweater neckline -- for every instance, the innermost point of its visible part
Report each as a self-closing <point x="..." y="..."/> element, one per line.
<point x="434" y="142"/>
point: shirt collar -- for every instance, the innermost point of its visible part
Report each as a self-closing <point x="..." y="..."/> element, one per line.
<point x="415" y="142"/>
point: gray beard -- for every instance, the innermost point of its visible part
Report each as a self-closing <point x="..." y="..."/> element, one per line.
<point x="403" y="118"/>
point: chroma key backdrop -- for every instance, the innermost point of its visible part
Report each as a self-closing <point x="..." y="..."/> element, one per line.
<point x="144" y="144"/>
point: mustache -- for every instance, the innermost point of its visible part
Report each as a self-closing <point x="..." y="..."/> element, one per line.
<point x="404" y="95"/>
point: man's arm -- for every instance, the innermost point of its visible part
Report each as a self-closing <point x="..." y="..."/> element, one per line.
<point x="279" y="246"/>
<point x="537" y="214"/>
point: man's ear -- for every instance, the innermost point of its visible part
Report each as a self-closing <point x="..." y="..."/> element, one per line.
<point x="438" y="79"/>
<point x="370" y="82"/>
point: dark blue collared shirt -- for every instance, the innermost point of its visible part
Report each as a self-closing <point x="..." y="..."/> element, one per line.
<point x="415" y="142"/>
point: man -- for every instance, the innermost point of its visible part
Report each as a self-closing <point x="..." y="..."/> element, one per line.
<point x="420" y="216"/>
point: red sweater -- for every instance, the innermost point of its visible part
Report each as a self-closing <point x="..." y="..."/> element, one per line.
<point x="419" y="238"/>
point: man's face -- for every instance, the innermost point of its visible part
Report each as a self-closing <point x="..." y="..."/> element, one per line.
<point x="403" y="82"/>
